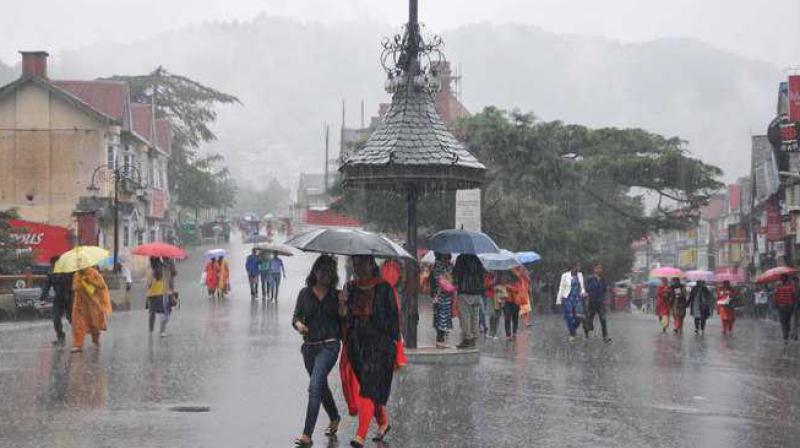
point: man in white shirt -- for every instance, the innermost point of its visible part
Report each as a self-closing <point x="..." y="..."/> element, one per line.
<point x="571" y="292"/>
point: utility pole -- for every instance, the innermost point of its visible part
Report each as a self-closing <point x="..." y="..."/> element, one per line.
<point x="327" y="134"/>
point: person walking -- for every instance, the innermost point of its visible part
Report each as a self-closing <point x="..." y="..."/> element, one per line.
<point x="276" y="273"/>
<point x="264" y="275"/>
<point x="317" y="318"/>
<point x="251" y="265"/>
<point x="372" y="332"/>
<point x="511" y="305"/>
<point x="571" y="293"/>
<point x="468" y="274"/>
<point x="725" y="307"/>
<point x="521" y="292"/>
<point x="664" y="304"/>
<point x="61" y="284"/>
<point x="442" y="296"/>
<point x="701" y="301"/>
<point x="159" y="298"/>
<point x="224" y="277"/>
<point x="212" y="278"/>
<point x="596" y="303"/>
<point x="785" y="299"/>
<point x="90" y="307"/>
<point x="679" y="304"/>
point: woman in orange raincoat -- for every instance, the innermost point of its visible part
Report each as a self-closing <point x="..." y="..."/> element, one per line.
<point x="725" y="308"/>
<point x="212" y="278"/>
<point x="522" y="291"/>
<point x="224" y="277"/>
<point x="663" y="304"/>
<point x="91" y="305"/>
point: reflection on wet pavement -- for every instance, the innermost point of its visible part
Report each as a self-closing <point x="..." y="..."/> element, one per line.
<point x="242" y="360"/>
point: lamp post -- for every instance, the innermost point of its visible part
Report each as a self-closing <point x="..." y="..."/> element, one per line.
<point x="127" y="173"/>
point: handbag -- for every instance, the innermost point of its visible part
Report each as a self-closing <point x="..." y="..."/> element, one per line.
<point x="174" y="300"/>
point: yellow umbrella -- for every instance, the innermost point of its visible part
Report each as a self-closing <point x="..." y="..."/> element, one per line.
<point x="81" y="257"/>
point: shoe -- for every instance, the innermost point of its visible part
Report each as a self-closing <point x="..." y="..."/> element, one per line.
<point x="59" y="342"/>
<point x="298" y="442"/>
<point x="356" y="444"/>
<point x="163" y="334"/>
<point x="333" y="428"/>
<point x="441" y="345"/>
<point x="607" y="340"/>
<point x="464" y="344"/>
<point x="572" y="339"/>
<point x="75" y="350"/>
<point x="380" y="436"/>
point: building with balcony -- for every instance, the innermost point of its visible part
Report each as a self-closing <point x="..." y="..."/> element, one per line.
<point x="63" y="143"/>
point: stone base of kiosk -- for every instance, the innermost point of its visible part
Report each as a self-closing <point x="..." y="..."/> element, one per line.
<point x="442" y="356"/>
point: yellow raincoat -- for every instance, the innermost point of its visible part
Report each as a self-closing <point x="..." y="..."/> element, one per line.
<point x="91" y="305"/>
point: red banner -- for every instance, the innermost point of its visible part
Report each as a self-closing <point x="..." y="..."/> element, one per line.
<point x="158" y="204"/>
<point x="774" y="222"/>
<point x="45" y="241"/>
<point x="794" y="98"/>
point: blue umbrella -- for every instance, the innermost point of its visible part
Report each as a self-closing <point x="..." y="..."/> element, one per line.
<point x="463" y="242"/>
<point x="528" y="257"/>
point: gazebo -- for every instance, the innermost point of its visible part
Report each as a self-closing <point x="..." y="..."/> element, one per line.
<point x="411" y="151"/>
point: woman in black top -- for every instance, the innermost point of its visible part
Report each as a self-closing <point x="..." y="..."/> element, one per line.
<point x="316" y="317"/>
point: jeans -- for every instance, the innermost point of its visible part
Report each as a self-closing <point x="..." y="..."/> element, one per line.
<point x="785" y="313"/>
<point x="153" y="311"/>
<point x="700" y="323"/>
<point x="482" y="315"/>
<point x="61" y="308"/>
<point x="598" y="309"/>
<point x="468" y="305"/>
<point x="511" y="317"/>
<point x="253" y="284"/>
<point x="319" y="360"/>
<point x="274" y="285"/>
<point x="264" y="284"/>
<point x="494" y="321"/>
<point x="572" y="314"/>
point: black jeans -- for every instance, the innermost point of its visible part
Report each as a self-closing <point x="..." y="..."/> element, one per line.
<point x="785" y="316"/>
<point x="511" y="315"/>
<point x="319" y="360"/>
<point x="253" y="285"/>
<point x="700" y="323"/>
<point x="62" y="307"/>
<point x="494" y="321"/>
<point x="593" y="309"/>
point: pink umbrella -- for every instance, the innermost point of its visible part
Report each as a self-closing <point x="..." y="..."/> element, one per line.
<point x="666" y="271"/>
<point x="696" y="275"/>
<point x="775" y="274"/>
<point x="728" y="275"/>
<point x="162" y="250"/>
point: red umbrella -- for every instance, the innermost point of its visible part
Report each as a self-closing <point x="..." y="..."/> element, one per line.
<point x="162" y="250"/>
<point x="775" y="274"/>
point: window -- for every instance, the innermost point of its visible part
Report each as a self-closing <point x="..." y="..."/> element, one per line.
<point x="140" y="237"/>
<point x="128" y="158"/>
<point x="153" y="234"/>
<point x="111" y="157"/>
<point x="126" y="235"/>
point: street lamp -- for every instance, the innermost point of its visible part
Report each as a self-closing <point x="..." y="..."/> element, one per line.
<point x="127" y="173"/>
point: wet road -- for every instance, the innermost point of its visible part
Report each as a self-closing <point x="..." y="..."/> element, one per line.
<point x="242" y="360"/>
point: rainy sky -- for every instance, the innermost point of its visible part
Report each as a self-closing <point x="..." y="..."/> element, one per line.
<point x="747" y="27"/>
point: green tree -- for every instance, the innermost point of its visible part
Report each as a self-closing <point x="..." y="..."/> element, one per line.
<point x="190" y="108"/>
<point x="12" y="261"/>
<point x="571" y="192"/>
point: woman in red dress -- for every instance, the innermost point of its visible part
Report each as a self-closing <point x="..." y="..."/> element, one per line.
<point x="725" y="307"/>
<point x="663" y="304"/>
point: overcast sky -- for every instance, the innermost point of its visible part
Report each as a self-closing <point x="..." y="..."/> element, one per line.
<point x="747" y="27"/>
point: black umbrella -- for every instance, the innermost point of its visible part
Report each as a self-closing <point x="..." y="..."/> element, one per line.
<point x="347" y="242"/>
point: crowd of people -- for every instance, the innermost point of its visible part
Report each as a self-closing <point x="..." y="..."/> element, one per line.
<point x="265" y="269"/>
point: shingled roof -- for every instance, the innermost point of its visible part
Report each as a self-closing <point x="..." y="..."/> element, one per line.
<point x="412" y="146"/>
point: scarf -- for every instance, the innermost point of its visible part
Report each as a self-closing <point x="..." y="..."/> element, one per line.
<point x="364" y="296"/>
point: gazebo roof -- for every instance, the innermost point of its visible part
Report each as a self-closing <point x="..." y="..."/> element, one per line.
<point x="412" y="147"/>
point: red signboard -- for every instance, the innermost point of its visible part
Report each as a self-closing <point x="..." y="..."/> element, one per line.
<point x="774" y="222"/>
<point x="45" y="241"/>
<point x="794" y="98"/>
<point x="158" y="204"/>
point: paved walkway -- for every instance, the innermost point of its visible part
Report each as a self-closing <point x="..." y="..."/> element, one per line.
<point x="242" y="360"/>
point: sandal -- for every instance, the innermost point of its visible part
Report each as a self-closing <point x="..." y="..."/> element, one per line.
<point x="356" y="444"/>
<point x="298" y="442"/>
<point x="333" y="428"/>
<point x="379" y="437"/>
